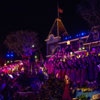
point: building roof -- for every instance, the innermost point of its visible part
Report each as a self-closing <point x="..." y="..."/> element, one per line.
<point x="58" y="28"/>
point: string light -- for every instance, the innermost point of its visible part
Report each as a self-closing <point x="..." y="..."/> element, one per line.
<point x="83" y="48"/>
<point x="7" y="61"/>
<point x="63" y="60"/>
<point x="66" y="38"/>
<point x="82" y="34"/>
<point x="7" y="55"/>
<point x="87" y="53"/>
<point x="33" y="46"/>
<point x="80" y="49"/>
<point x="21" y="63"/>
<point x="98" y="54"/>
<point x="5" y="64"/>
<point x="11" y="61"/>
<point x="11" y="55"/>
<point x="71" y="53"/>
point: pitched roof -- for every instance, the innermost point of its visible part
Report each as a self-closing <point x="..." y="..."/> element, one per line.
<point x="58" y="28"/>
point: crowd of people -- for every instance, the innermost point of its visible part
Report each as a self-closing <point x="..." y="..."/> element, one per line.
<point x="56" y="77"/>
<point x="20" y="86"/>
<point x="80" y="68"/>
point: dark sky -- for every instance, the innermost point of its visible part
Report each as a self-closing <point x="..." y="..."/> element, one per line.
<point x="39" y="16"/>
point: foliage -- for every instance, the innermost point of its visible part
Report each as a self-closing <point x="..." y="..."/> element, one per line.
<point x="90" y="11"/>
<point x="52" y="89"/>
<point x="21" y="42"/>
<point x="82" y="97"/>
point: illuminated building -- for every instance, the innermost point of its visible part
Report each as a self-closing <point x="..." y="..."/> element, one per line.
<point x="58" y="38"/>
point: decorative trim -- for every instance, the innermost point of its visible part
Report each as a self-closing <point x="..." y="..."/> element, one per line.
<point x="53" y="38"/>
<point x="74" y="39"/>
<point x="91" y="43"/>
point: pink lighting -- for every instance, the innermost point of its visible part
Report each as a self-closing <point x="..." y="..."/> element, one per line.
<point x="21" y="63"/>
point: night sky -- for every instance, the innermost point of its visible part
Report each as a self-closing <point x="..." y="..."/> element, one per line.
<point x="39" y="16"/>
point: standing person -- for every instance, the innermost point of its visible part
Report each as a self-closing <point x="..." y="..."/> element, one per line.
<point x="83" y="74"/>
<point x="98" y="76"/>
<point x="78" y="73"/>
<point x="91" y="69"/>
<point x="32" y="61"/>
<point x="67" y="95"/>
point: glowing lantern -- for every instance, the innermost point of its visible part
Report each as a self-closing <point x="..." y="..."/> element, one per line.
<point x="71" y="53"/>
<point x="63" y="60"/>
<point x="80" y="49"/>
<point x="7" y="61"/>
<point x="98" y="54"/>
<point x="83" y="48"/>
<point x="11" y="61"/>
<point x="33" y="46"/>
<point x="5" y="64"/>
<point x="87" y="53"/>
<point x="35" y="57"/>
<point x="68" y="42"/>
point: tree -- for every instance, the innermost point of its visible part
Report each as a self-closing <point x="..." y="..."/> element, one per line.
<point x="90" y="11"/>
<point x="21" y="42"/>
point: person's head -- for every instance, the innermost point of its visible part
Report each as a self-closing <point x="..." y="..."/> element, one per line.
<point x="66" y="77"/>
<point x="67" y="80"/>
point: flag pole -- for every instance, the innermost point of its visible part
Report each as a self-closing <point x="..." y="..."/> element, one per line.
<point x="57" y="9"/>
<point x="57" y="18"/>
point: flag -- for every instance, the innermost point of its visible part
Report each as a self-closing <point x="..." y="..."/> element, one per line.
<point x="60" y="10"/>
